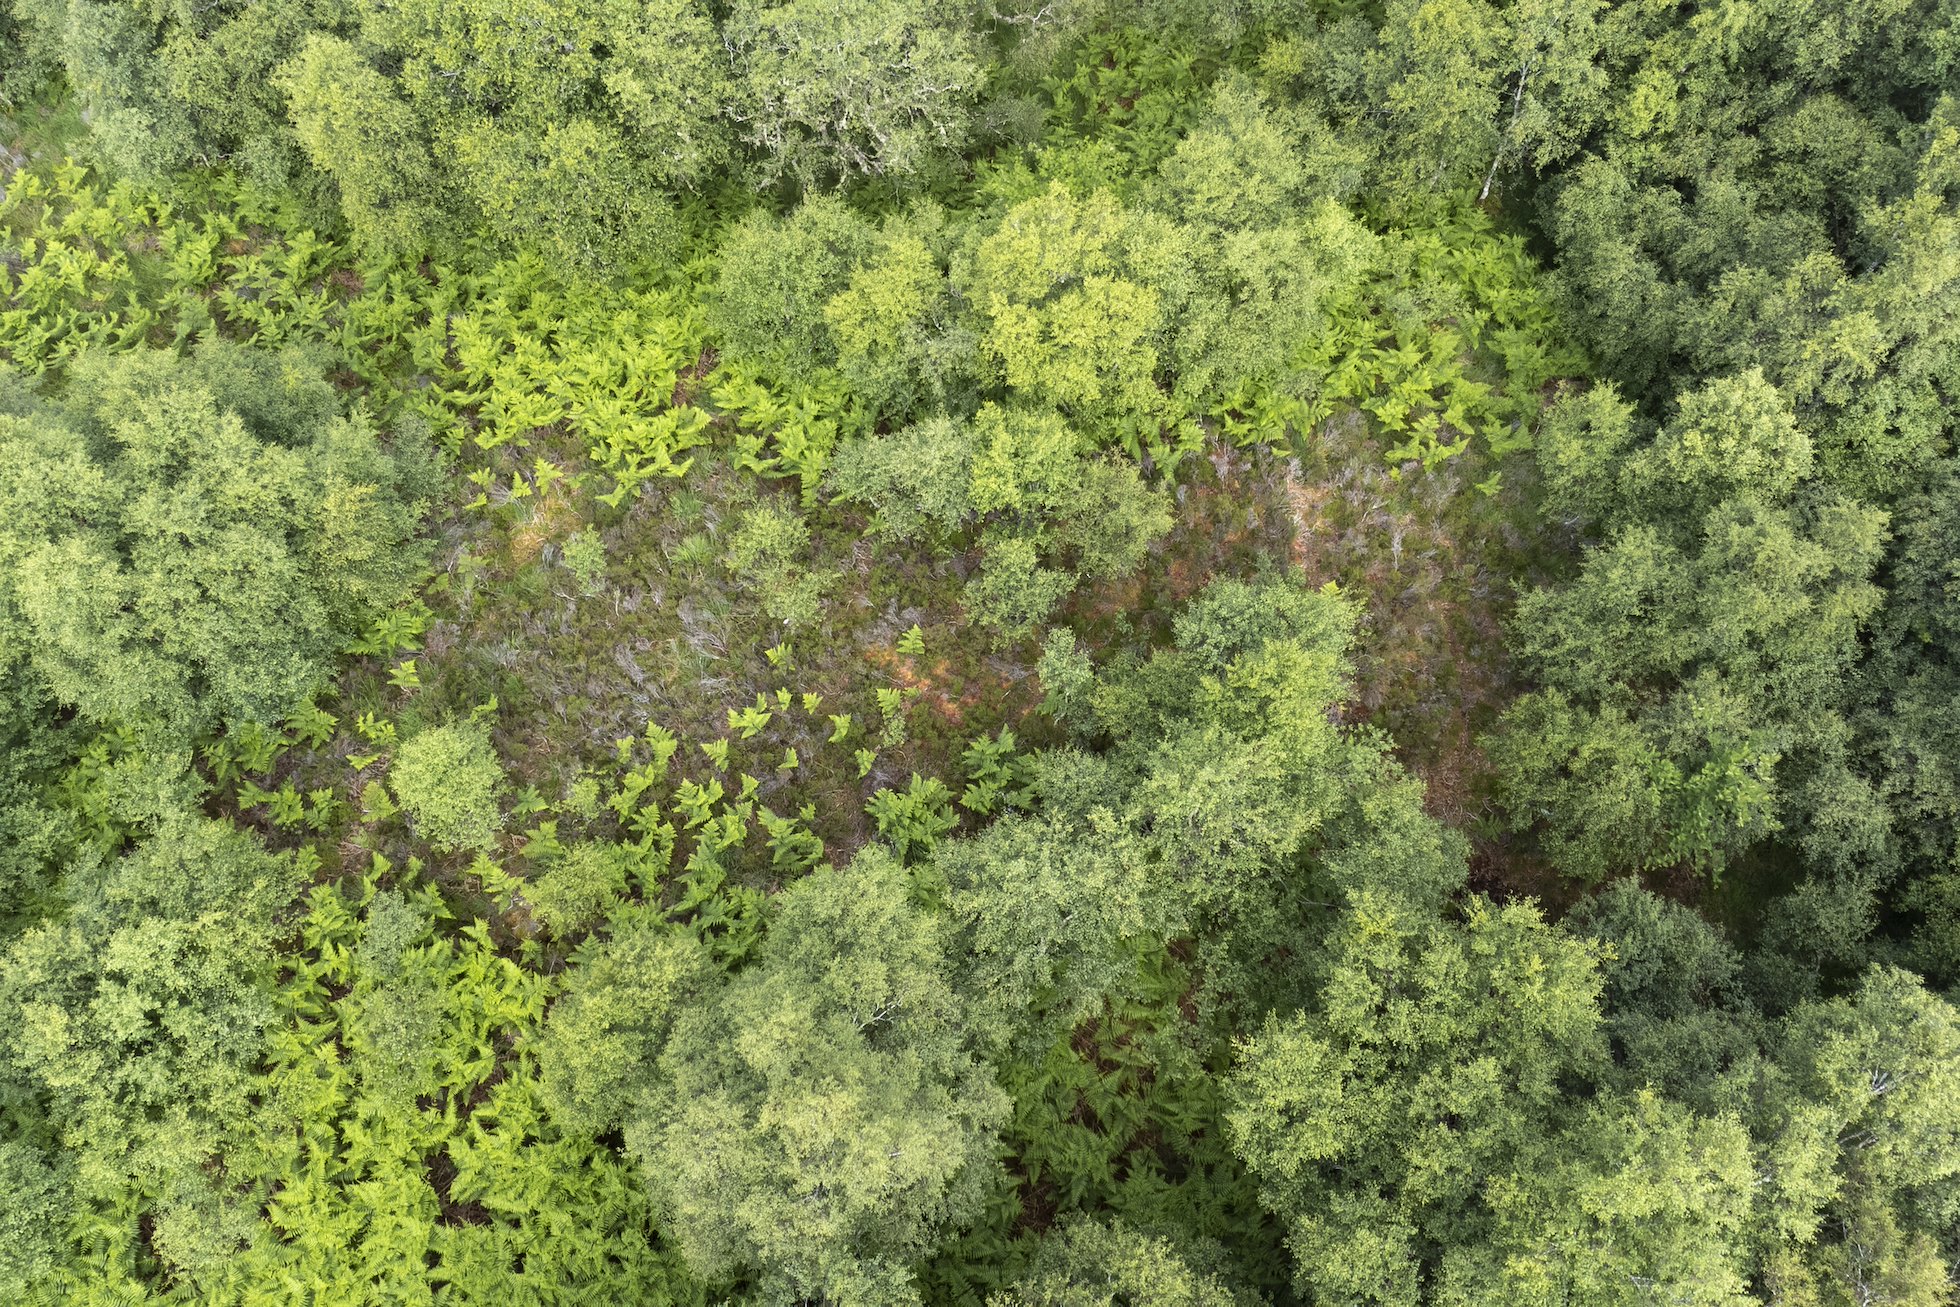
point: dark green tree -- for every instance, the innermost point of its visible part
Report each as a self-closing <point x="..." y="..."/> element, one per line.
<point x="135" y="1021"/>
<point x="821" y="1119"/>
<point x="1693" y="674"/>
<point x="1434" y="1060"/>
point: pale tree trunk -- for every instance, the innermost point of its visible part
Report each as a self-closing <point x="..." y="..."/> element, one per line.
<point x="1517" y="107"/>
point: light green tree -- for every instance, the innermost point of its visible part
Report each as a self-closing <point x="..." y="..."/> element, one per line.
<point x="568" y="123"/>
<point x="1076" y="299"/>
<point x="448" y="780"/>
<point x="40" y="1205"/>
<point x="828" y="91"/>
<point x="1237" y="169"/>
<point x="1638" y="1197"/>
<point x="1050" y="914"/>
<point x="1259" y="814"/>
<point x="1856" y="1123"/>
<point x="169" y="88"/>
<point x="1264" y="297"/>
<point x="1098" y="1264"/>
<point x="574" y="189"/>
<point x="168" y="566"/>
<point x="357" y="129"/>
<point x="1437" y="73"/>
<point x="822" y="1119"/>
<point x="576" y="892"/>
<point x="770" y="551"/>
<point x="1048" y="514"/>
<point x="776" y="277"/>
<point x="901" y="342"/>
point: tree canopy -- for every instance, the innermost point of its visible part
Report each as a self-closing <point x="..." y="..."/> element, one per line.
<point x="1206" y="653"/>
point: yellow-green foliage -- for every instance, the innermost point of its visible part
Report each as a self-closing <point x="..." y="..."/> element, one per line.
<point x="404" y="1144"/>
<point x="496" y="354"/>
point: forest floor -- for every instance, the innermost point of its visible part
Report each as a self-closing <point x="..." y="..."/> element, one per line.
<point x="667" y="636"/>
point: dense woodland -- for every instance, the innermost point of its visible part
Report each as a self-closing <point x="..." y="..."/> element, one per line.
<point x="1028" y="653"/>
